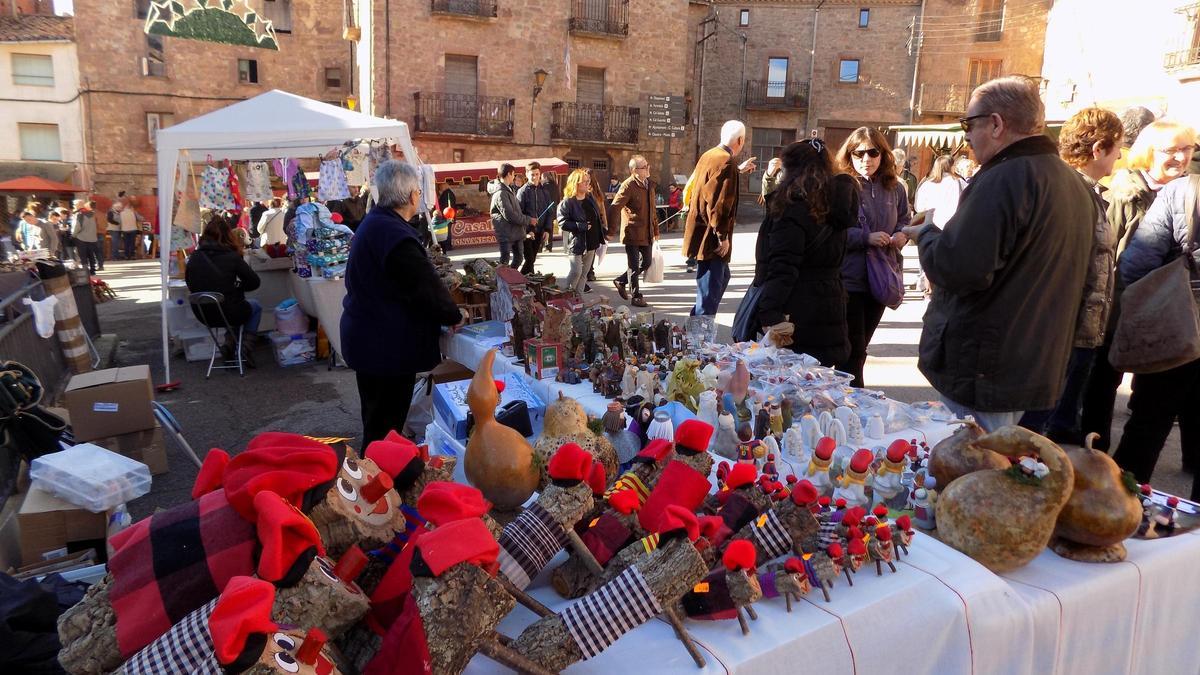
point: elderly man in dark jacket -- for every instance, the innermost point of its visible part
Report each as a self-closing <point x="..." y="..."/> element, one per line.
<point x="639" y="218"/>
<point x="1008" y="270"/>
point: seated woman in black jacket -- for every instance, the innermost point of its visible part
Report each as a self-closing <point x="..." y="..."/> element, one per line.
<point x="217" y="266"/>
<point x="799" y="254"/>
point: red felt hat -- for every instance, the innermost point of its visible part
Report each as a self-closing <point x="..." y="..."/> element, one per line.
<point x="835" y="551"/>
<point x="570" y="464"/>
<point x="857" y="547"/>
<point x="284" y="534"/>
<point x="656" y="451"/>
<point x="212" y="473"/>
<point x="804" y="493"/>
<point x="710" y="526"/>
<point x="740" y="555"/>
<point x="461" y="541"/>
<point x="679" y="484"/>
<point x="792" y="479"/>
<point x="742" y="474"/>
<point x="289" y="465"/>
<point x="397" y="456"/>
<point x="861" y="460"/>
<point x="898" y="450"/>
<point x="854" y="533"/>
<point x="904" y="523"/>
<point x="883" y="533"/>
<point x="851" y="517"/>
<point x="825" y="448"/>
<point x="823" y="501"/>
<point x="722" y="471"/>
<point x="442" y="502"/>
<point x="597" y="479"/>
<point x="840" y="503"/>
<point x="242" y="610"/>
<point x="880" y="511"/>
<point x="625" y="501"/>
<point x="679" y="518"/>
<point x="794" y="566"/>
<point x="870" y="521"/>
<point x="692" y="437"/>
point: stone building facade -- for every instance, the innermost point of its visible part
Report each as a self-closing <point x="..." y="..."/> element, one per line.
<point x="463" y="75"/>
<point x="764" y="65"/>
<point x="133" y="83"/>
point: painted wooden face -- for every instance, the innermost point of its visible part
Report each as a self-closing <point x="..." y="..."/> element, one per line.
<point x="353" y="477"/>
<point x="280" y="656"/>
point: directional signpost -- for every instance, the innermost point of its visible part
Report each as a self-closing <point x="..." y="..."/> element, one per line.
<point x="665" y="117"/>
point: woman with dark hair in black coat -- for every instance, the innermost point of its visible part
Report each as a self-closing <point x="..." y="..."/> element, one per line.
<point x="799" y="253"/>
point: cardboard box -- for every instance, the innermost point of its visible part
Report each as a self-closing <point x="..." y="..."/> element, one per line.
<point x="10" y="533"/>
<point x="450" y="370"/>
<point x="146" y="446"/>
<point x="110" y="402"/>
<point x="543" y="358"/>
<point x="450" y="403"/>
<point x="47" y="523"/>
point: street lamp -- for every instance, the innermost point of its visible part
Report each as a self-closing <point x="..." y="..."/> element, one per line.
<point x="539" y="79"/>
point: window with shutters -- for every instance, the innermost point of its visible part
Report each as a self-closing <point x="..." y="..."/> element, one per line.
<point x="991" y="21"/>
<point x="590" y="86"/>
<point x="333" y="78"/>
<point x="982" y="70"/>
<point x="36" y="70"/>
<point x="40" y="142"/>
<point x="462" y="75"/>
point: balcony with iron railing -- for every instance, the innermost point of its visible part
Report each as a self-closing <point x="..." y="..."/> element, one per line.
<point x="780" y="95"/>
<point x="442" y="113"/>
<point x="944" y="99"/>
<point x="571" y="121"/>
<point x="606" y="18"/>
<point x="1183" y="58"/>
<point x="479" y="9"/>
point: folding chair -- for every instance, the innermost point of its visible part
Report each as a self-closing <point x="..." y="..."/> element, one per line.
<point x="212" y="298"/>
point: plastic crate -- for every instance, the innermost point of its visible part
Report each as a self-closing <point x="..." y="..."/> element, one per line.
<point x="294" y="350"/>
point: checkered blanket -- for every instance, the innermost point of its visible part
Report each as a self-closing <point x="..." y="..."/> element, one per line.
<point x="709" y="600"/>
<point x="528" y="543"/>
<point x="614" y="609"/>
<point x="169" y="564"/>
<point x="605" y="536"/>
<point x="771" y="535"/>
<point x="828" y="531"/>
<point x="186" y="648"/>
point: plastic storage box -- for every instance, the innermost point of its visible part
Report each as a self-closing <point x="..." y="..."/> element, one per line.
<point x="91" y="477"/>
<point x="294" y="350"/>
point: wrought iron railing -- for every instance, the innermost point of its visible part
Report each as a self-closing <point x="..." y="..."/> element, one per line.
<point x="480" y="8"/>
<point x="783" y="94"/>
<point x="1182" y="58"/>
<point x="948" y="99"/>
<point x="600" y="17"/>
<point x="589" y="122"/>
<point x="439" y="112"/>
<point x="20" y="341"/>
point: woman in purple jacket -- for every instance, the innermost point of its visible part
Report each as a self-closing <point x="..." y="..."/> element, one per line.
<point x="883" y="211"/>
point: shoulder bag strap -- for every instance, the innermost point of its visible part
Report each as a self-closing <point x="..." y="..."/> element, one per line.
<point x="1189" y="218"/>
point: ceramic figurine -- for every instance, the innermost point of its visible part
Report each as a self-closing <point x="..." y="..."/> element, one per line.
<point x="762" y="423"/>
<point x="662" y="336"/>
<point x="661" y="427"/>
<point x="852" y="484"/>
<point x="629" y="381"/>
<point x="823" y="422"/>
<point x="785" y="413"/>
<point x="875" y="429"/>
<point x="775" y="417"/>
<point x="739" y="382"/>
<point x="810" y="431"/>
<point x="817" y="472"/>
<point x="888" y="484"/>
<point x="924" y="501"/>
<point x="771" y="445"/>
<point x="725" y="441"/>
<point x="854" y="430"/>
<point x="793" y="444"/>
<point x="837" y="432"/>
<point x="707" y="412"/>
<point x="749" y="449"/>
<point x="647" y="382"/>
<point x="881" y="549"/>
<point x="710" y="376"/>
<point x="768" y="468"/>
<point x="625" y="442"/>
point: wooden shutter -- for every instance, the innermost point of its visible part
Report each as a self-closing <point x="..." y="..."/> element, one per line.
<point x="590" y="88"/>
<point x="462" y="74"/>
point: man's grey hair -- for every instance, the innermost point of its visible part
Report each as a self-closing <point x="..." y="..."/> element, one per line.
<point x="731" y="131"/>
<point x="395" y="182"/>
<point x="633" y="161"/>
<point x="900" y="156"/>
<point x="1015" y="99"/>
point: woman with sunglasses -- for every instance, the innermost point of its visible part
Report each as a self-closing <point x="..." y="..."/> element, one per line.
<point x="883" y="211"/>
<point x="798" y="257"/>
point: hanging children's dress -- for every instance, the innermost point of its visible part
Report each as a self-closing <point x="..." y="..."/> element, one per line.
<point x="288" y="169"/>
<point x="214" y="189"/>
<point x="333" y="181"/>
<point x="257" y="186"/>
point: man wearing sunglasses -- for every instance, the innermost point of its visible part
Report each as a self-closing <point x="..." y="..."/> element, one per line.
<point x="1008" y="269"/>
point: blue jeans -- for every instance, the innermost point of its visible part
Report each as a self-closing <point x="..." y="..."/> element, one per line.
<point x="128" y="240"/>
<point x="513" y="251"/>
<point x="1064" y="418"/>
<point x="712" y="278"/>
<point x="990" y="421"/>
<point x="251" y="325"/>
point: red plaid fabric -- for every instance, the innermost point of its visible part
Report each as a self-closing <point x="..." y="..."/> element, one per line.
<point x="173" y="562"/>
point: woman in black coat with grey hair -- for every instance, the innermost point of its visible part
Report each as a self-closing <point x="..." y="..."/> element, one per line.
<point x="799" y="254"/>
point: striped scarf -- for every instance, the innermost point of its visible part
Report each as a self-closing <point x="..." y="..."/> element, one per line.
<point x="598" y="619"/>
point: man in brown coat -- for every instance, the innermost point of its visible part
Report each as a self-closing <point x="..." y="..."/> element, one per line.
<point x="635" y="198"/>
<point x="712" y="212"/>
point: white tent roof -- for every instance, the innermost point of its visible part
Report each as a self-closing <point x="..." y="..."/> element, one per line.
<point x="276" y="124"/>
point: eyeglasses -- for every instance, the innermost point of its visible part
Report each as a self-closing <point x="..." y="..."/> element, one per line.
<point x="643" y="167"/>
<point x="966" y="121"/>
<point x="870" y="152"/>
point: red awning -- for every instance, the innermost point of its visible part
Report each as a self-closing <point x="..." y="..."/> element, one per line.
<point x="479" y="172"/>
<point x="36" y="184"/>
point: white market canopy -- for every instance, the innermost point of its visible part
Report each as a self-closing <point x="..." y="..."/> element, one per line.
<point x="272" y="125"/>
<point x="933" y="135"/>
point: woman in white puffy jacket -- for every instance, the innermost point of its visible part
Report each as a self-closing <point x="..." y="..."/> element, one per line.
<point x="940" y="191"/>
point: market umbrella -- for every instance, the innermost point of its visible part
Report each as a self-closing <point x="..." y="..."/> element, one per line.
<point x="36" y="184"/>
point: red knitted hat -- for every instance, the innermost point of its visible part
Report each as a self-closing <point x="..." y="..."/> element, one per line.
<point x="297" y="468"/>
<point x="212" y="473"/>
<point x="883" y="533"/>
<point x="570" y="464"/>
<point x="804" y="493"/>
<point x="880" y="511"/>
<point x="722" y="471"/>
<point x="656" y="451"/>
<point x="742" y="473"/>
<point x="740" y="555"/>
<point x="710" y="526"/>
<point x="857" y="547"/>
<point x="625" y="501"/>
<point x="794" y="566"/>
<point x="792" y="479"/>
<point x="825" y="448"/>
<point x="861" y="461"/>
<point x="597" y="479"/>
<point x="679" y="484"/>
<point x="399" y="457"/>
<point x="285" y="535"/>
<point x="904" y="523"/>
<point x="853" y="533"/>
<point x="835" y="551"/>
<point x="823" y="501"/>
<point x="898" y="450"/>
<point x="692" y="437"/>
<point x="442" y="502"/>
<point x="461" y="541"/>
<point x="679" y="518"/>
<point x="840" y="503"/>
<point x="242" y="610"/>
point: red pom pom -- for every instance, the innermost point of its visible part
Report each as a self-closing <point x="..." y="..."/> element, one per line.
<point x="570" y="463"/>
<point x="904" y="523"/>
<point x="883" y="533"/>
<point x="791" y="479"/>
<point x="500" y="386"/>
<point x="840" y="503"/>
<point x="857" y="547"/>
<point x="853" y="533"/>
<point x="742" y="473"/>
<point x="336" y="217"/>
<point x="880" y="511"/>
<point x="804" y="493"/>
<point x="835" y="551"/>
<point x="1172" y="501"/>
<point x="740" y="555"/>
<point x="823" y="501"/>
<point x="794" y="566"/>
<point x="624" y="501"/>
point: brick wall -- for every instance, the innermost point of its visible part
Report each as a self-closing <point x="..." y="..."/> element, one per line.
<point x="199" y="77"/>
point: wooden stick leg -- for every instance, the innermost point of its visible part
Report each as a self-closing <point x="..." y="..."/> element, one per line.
<point x="788" y="598"/>
<point x="750" y="611"/>
<point x="524" y="598"/>
<point x="585" y="553"/>
<point x="825" y="590"/>
<point x="849" y="580"/>
<point x="681" y="633"/>
<point x="904" y="548"/>
<point x="893" y="567"/>
<point x="501" y="638"/>
<point x="742" y="621"/>
<point x="879" y="568"/>
<point x="507" y="657"/>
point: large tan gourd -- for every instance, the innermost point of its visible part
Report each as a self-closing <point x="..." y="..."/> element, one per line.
<point x="1103" y="511"/>
<point x="498" y="460"/>
<point x="957" y="455"/>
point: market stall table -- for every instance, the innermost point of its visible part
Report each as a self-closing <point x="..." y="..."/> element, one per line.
<point x="274" y="287"/>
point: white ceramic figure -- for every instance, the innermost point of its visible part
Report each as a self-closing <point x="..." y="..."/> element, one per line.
<point x="837" y="432"/>
<point x="810" y="431"/>
<point x="647" y="384"/>
<point x="707" y="412"/>
<point x="710" y="376"/>
<point x="772" y="445"/>
<point x="854" y="430"/>
<point x="844" y="413"/>
<point x="793" y="444"/>
<point x="824" y="420"/>
<point x="874" y="429"/>
<point x="629" y="382"/>
<point x="725" y="441"/>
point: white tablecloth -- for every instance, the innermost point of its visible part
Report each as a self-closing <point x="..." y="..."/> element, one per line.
<point x="940" y="613"/>
<point x="322" y="298"/>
